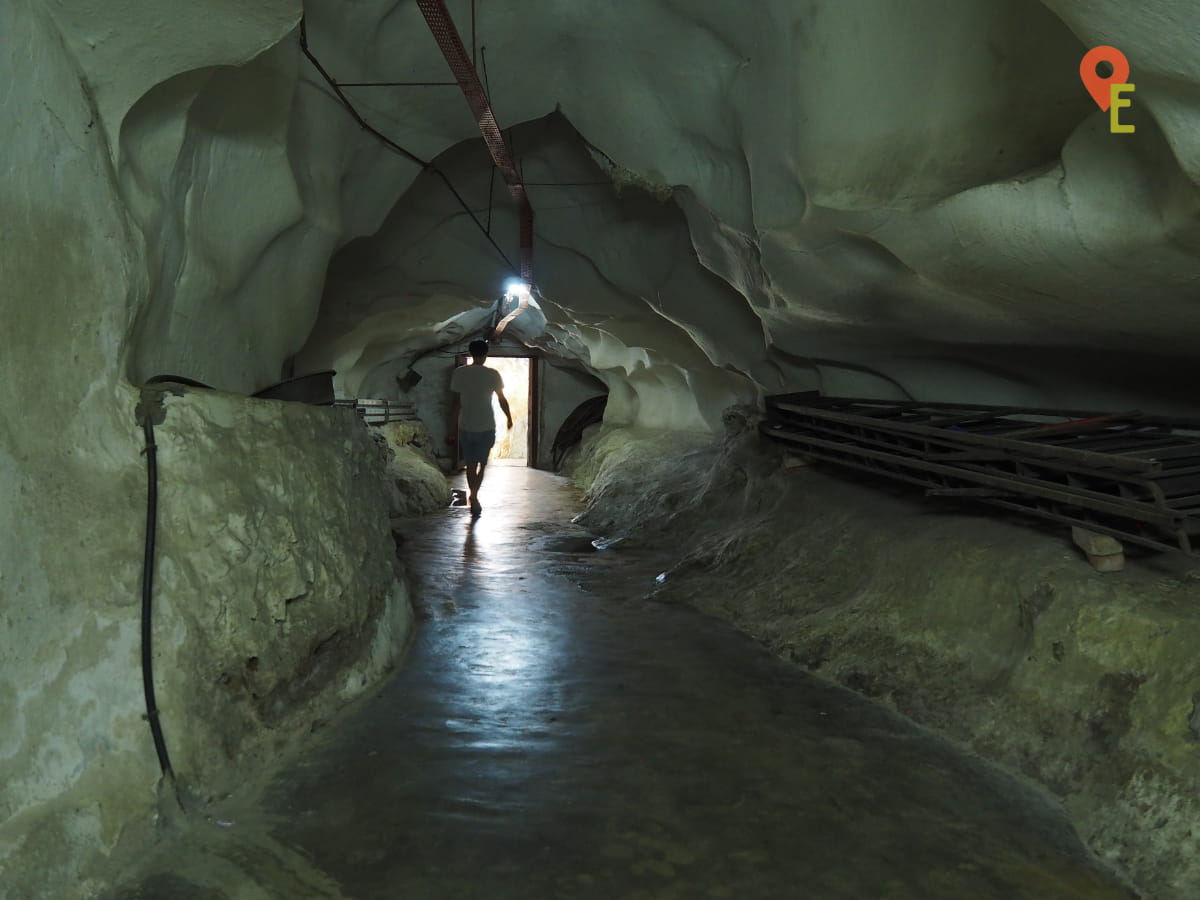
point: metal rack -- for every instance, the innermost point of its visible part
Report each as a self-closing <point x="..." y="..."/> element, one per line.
<point x="380" y="412"/>
<point x="1132" y="476"/>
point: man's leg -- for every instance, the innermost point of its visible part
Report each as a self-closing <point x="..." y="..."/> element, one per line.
<point x="476" y="448"/>
<point x="470" y="450"/>
<point x="474" y="476"/>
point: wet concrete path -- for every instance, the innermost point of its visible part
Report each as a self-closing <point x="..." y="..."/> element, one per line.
<point x="544" y="739"/>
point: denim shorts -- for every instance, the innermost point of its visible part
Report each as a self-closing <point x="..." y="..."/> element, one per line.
<point x="476" y="445"/>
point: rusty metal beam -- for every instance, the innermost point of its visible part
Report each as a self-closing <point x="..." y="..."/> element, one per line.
<point x="441" y="24"/>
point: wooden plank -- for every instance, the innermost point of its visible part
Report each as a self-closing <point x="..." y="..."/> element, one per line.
<point x="1054" y="429"/>
<point x="1132" y="509"/>
<point x="1185" y="484"/>
<point x="973" y="416"/>
<point x="970" y="456"/>
<point x="942" y="448"/>
<point x="1119" y="444"/>
<point x="1135" y="490"/>
<point x="886" y="411"/>
<point x="1171" y="449"/>
<point x="967" y="492"/>
<point x="1174" y="422"/>
<point x="1132" y="464"/>
<point x="1132" y="537"/>
<point x="1036" y="512"/>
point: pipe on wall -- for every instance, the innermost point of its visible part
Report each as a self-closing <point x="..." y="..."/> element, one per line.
<point x="151" y="453"/>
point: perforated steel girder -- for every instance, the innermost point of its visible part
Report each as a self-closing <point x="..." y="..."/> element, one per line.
<point x="441" y="24"/>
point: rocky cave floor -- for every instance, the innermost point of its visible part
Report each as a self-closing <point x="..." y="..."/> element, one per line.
<point x="554" y="733"/>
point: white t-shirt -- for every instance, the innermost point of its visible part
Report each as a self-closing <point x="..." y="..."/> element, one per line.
<point x="475" y="385"/>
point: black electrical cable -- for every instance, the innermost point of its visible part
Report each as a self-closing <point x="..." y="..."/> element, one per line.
<point x="424" y="164"/>
<point x="570" y="433"/>
<point x="160" y="744"/>
<point x="398" y="84"/>
<point x="491" y="196"/>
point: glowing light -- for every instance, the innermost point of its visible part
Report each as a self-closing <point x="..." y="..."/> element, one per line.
<point x="522" y="293"/>
<point x="516" y="288"/>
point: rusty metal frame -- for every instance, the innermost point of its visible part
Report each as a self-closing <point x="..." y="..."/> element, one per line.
<point x="1125" y="474"/>
<point x="441" y="25"/>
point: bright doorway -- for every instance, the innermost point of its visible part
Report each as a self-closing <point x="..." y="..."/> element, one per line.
<point x="512" y="447"/>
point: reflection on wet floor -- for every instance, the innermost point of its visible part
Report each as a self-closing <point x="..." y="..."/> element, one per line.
<point x="542" y="740"/>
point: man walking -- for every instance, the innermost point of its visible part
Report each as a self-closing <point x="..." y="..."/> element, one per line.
<point x="475" y="385"/>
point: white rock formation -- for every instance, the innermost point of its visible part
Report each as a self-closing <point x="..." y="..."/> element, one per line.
<point x="415" y="483"/>
<point x="866" y="196"/>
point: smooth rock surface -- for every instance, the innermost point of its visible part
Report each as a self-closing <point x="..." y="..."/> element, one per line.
<point x="797" y="198"/>
<point x="415" y="483"/>
<point x="77" y="769"/>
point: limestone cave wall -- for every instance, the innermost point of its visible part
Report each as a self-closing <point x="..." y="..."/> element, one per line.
<point x="890" y="200"/>
<point x="867" y="197"/>
<point x="271" y="609"/>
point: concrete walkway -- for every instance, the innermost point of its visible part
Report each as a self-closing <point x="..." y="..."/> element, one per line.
<point x="551" y="736"/>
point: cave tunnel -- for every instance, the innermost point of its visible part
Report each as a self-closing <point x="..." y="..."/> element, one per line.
<point x="756" y="601"/>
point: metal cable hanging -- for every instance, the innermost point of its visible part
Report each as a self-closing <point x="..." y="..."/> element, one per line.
<point x="441" y="24"/>
<point x="392" y="145"/>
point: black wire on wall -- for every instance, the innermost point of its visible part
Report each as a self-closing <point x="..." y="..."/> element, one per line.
<point x="160" y="743"/>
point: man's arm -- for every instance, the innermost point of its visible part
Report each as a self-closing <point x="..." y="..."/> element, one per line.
<point x="504" y="406"/>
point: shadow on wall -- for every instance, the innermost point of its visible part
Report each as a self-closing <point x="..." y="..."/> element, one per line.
<point x="1056" y="376"/>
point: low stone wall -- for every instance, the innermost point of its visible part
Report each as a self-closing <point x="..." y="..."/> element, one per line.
<point x="279" y="595"/>
<point x="416" y="484"/>
<point x="993" y="630"/>
<point x="277" y="599"/>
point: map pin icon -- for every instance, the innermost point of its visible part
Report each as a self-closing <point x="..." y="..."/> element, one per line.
<point x="1098" y="86"/>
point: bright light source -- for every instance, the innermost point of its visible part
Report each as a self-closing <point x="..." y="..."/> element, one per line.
<point x="522" y="293"/>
